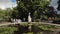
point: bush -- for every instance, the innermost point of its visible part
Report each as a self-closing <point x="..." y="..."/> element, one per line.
<point x="7" y="30"/>
<point x="45" y="27"/>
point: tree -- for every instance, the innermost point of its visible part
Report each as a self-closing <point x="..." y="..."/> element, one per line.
<point x="58" y="5"/>
<point x="51" y="12"/>
<point x="14" y="13"/>
<point x="6" y="14"/>
<point x="37" y="7"/>
<point x="58" y="8"/>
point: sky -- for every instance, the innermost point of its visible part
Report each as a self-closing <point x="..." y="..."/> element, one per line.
<point x="12" y="3"/>
<point x="7" y="4"/>
<point x="55" y="5"/>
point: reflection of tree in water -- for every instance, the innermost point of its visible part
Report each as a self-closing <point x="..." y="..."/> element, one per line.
<point x="21" y="29"/>
<point x="35" y="30"/>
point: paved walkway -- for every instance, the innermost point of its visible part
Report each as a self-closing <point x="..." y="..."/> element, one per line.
<point x="58" y="26"/>
<point x="4" y="24"/>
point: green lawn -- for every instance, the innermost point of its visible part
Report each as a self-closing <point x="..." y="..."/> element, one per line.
<point x="10" y="30"/>
<point x="7" y="30"/>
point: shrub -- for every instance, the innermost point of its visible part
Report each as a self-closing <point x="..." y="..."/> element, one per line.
<point x="7" y="30"/>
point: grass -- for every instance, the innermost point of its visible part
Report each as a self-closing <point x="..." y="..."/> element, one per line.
<point x="7" y="30"/>
<point x="28" y="33"/>
<point x="10" y="30"/>
<point x="45" y="27"/>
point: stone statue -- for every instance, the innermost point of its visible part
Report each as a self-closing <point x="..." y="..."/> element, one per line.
<point x="29" y="18"/>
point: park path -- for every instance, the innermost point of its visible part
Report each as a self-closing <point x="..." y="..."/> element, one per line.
<point x="9" y="23"/>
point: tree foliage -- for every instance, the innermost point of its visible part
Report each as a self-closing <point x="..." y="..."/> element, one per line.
<point x="35" y="7"/>
<point x="58" y="5"/>
<point x="7" y="30"/>
<point x="5" y="13"/>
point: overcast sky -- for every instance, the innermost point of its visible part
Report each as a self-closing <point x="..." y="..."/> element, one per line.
<point x="7" y="3"/>
<point x="54" y="3"/>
